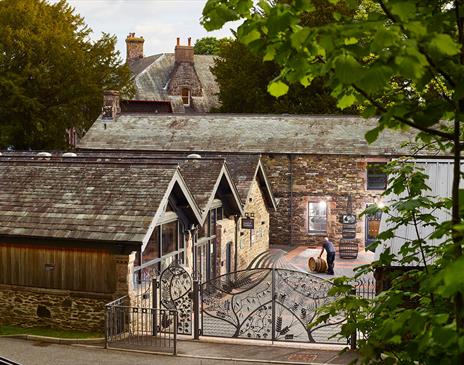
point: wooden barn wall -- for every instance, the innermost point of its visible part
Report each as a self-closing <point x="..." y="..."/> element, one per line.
<point x="86" y="270"/>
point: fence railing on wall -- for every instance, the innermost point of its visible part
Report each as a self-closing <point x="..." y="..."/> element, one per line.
<point x="132" y="327"/>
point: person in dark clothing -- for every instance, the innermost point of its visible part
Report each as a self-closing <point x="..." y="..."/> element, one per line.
<point x="329" y="247"/>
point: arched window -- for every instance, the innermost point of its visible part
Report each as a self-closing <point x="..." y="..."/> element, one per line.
<point x="186" y="96"/>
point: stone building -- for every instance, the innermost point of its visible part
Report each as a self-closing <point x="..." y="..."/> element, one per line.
<point x="320" y="168"/>
<point x="178" y="82"/>
<point x="76" y="231"/>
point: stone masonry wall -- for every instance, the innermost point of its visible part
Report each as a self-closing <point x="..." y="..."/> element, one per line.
<point x="85" y="311"/>
<point x="185" y="76"/>
<point x="225" y="232"/>
<point x="312" y="178"/>
<point x="253" y="242"/>
<point x="32" y="307"/>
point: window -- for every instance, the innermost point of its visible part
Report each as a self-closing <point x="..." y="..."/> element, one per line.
<point x="376" y="177"/>
<point x="186" y="96"/>
<point x="169" y="238"/>
<point x="317" y="217"/>
<point x="152" y="250"/>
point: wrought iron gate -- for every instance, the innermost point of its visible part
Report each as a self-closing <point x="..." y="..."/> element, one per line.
<point x="267" y="304"/>
<point x="263" y="303"/>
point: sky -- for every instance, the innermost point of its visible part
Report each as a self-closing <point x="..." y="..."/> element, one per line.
<point x="160" y="22"/>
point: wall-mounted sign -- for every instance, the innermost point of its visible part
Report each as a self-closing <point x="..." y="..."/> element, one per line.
<point x="248" y="223"/>
<point x="348" y="219"/>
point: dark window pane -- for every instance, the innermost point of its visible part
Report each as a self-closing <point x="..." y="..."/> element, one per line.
<point x="376" y="177"/>
<point x="204" y="230"/>
<point x="152" y="250"/>
<point x="169" y="237"/>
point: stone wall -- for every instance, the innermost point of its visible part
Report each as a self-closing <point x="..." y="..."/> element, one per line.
<point x="253" y="242"/>
<point x="67" y="309"/>
<point x="184" y="76"/>
<point x="32" y="307"/>
<point x="225" y="233"/>
<point x="301" y="179"/>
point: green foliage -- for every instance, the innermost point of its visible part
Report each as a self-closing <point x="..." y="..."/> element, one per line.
<point x="412" y="322"/>
<point x="51" y="75"/>
<point x="243" y="80"/>
<point x="402" y="61"/>
<point x="209" y="45"/>
<point x="247" y="78"/>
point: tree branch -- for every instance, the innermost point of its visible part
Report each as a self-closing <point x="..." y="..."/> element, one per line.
<point x="421" y="49"/>
<point x="435" y="132"/>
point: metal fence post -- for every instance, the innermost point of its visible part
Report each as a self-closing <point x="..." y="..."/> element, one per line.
<point x="175" y="333"/>
<point x="106" y="326"/>
<point x="154" y="304"/>
<point x="196" y="309"/>
<point x="353" y="335"/>
<point x="273" y="304"/>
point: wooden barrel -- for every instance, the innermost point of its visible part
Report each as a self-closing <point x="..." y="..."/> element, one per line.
<point x="317" y="264"/>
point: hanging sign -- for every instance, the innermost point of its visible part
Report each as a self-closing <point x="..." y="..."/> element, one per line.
<point x="248" y="223"/>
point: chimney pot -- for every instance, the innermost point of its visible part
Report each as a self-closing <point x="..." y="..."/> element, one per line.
<point x="134" y="47"/>
<point x="184" y="53"/>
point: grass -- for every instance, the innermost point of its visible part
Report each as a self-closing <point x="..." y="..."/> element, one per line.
<point x="48" y="332"/>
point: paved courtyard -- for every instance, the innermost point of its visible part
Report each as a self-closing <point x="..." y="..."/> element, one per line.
<point x="299" y="256"/>
<point x="190" y="352"/>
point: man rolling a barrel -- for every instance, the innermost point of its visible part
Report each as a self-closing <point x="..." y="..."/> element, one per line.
<point x="329" y="247"/>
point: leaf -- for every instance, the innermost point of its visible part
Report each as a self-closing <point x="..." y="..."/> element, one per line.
<point x="270" y="54"/>
<point x="345" y="101"/>
<point x="444" y="44"/>
<point x="277" y="88"/>
<point x="376" y="78"/>
<point x="347" y="69"/>
<point x="336" y="15"/>
<point x="404" y="9"/>
<point x="251" y="36"/>
<point x="372" y="135"/>
<point x="351" y="40"/>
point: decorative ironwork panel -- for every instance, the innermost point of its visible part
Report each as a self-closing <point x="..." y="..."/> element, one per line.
<point x="175" y="294"/>
<point x="235" y="304"/>
<point x="298" y="295"/>
<point x="267" y="304"/>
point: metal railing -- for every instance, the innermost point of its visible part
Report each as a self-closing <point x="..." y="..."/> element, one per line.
<point x="133" y="327"/>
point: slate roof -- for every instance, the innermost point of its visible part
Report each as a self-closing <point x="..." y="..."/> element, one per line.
<point x="201" y="177"/>
<point x="151" y="78"/>
<point x="233" y="133"/>
<point x="83" y="201"/>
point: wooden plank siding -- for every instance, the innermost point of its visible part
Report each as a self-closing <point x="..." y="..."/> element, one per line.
<point x="76" y="269"/>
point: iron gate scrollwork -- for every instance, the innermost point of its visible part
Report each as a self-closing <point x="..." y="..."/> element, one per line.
<point x="267" y="304"/>
<point x="175" y="294"/>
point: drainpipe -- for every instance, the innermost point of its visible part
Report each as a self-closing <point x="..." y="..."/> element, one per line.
<point x="236" y="218"/>
<point x="290" y="183"/>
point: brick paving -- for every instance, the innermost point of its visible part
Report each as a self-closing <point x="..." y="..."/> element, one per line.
<point x="298" y="257"/>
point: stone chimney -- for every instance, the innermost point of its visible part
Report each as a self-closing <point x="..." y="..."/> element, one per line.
<point x="134" y="47"/>
<point x="184" y="53"/>
<point x="111" y="108"/>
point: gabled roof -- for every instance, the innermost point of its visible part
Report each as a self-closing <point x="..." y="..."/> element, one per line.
<point x="220" y="133"/>
<point x="245" y="168"/>
<point x="151" y="76"/>
<point x="97" y="201"/>
<point x="204" y="178"/>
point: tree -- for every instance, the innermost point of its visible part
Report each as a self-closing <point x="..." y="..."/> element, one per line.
<point x="209" y="45"/>
<point x="243" y="78"/>
<point x="402" y="61"/>
<point x="51" y="74"/>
